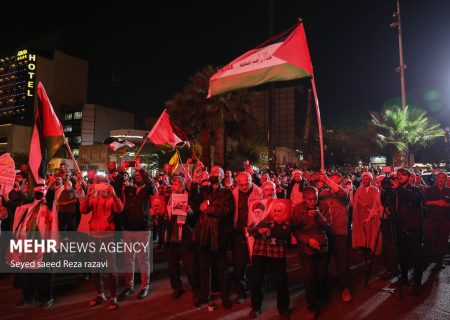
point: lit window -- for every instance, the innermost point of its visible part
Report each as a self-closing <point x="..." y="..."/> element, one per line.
<point x="76" y="152"/>
<point x="68" y="116"/>
<point x="77" y="139"/>
<point x="68" y="128"/>
<point x="78" y="115"/>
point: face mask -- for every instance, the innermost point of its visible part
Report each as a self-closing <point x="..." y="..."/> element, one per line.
<point x="214" y="180"/>
<point x="38" y="195"/>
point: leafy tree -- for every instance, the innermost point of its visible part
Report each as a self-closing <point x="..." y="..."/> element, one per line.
<point x="211" y="119"/>
<point x="405" y="131"/>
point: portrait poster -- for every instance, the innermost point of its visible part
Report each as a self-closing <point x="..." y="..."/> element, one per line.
<point x="286" y="204"/>
<point x="277" y="204"/>
<point x="257" y="211"/>
<point x="158" y="205"/>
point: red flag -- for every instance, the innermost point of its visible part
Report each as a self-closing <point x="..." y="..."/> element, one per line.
<point x="283" y="57"/>
<point x="167" y="132"/>
<point x="47" y="137"/>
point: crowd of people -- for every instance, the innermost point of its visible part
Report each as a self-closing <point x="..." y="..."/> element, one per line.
<point x="393" y="214"/>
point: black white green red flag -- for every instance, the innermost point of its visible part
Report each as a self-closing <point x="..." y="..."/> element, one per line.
<point x="47" y="137"/>
<point x="283" y="57"/>
<point x="167" y="132"/>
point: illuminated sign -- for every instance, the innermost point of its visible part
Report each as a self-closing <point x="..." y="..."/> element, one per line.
<point x="21" y="55"/>
<point x="30" y="60"/>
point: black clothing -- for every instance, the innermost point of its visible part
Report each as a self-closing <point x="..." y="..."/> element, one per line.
<point x="243" y="209"/>
<point x="214" y="226"/>
<point x="175" y="253"/>
<point x="409" y="207"/>
<point x="135" y="215"/>
<point x="279" y="271"/>
<point x="409" y="213"/>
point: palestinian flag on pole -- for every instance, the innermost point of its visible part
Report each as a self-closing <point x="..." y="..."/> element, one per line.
<point x="118" y="145"/>
<point x="167" y="132"/>
<point x="47" y="137"/>
<point x="283" y="57"/>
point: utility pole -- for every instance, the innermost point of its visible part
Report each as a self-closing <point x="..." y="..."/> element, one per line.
<point x="401" y="69"/>
<point x="272" y="161"/>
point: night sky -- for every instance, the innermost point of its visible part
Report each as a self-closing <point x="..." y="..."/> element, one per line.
<point x="154" y="50"/>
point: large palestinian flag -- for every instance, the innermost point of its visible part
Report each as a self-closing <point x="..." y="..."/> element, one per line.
<point x="283" y="57"/>
<point x="47" y="137"/>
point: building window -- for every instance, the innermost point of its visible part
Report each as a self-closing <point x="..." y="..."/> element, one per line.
<point x="68" y="139"/>
<point x="77" y="139"/>
<point x="68" y="116"/>
<point x="77" y="115"/>
<point x="76" y="152"/>
<point x="67" y="128"/>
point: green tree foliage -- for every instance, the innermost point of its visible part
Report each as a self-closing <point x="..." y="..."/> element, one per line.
<point x="405" y="132"/>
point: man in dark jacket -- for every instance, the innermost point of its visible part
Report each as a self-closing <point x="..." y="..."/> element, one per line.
<point x="310" y="228"/>
<point x="137" y="226"/>
<point x="409" y="209"/>
<point x="180" y="245"/>
<point x="437" y="220"/>
<point x="211" y="235"/>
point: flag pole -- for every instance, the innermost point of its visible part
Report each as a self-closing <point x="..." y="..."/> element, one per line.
<point x="71" y="155"/>
<point x="319" y="124"/>
<point x="140" y="148"/>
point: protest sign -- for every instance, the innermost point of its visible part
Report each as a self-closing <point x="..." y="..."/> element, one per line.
<point x="7" y="172"/>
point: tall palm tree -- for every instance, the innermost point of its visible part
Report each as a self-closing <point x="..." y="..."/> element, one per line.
<point x="209" y="118"/>
<point x="405" y="131"/>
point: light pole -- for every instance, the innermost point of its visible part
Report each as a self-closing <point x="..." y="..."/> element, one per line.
<point x="401" y="69"/>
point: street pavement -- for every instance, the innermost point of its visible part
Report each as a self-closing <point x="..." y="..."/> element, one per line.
<point x="72" y="294"/>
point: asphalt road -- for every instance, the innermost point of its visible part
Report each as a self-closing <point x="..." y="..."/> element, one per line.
<point x="72" y="294"/>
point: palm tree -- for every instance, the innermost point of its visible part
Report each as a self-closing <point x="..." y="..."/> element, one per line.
<point x="209" y="118"/>
<point x="405" y="131"/>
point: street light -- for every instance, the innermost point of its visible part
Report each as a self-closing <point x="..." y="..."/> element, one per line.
<point x="401" y="68"/>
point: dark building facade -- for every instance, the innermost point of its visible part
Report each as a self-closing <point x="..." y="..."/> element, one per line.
<point x="89" y="124"/>
<point x="290" y="117"/>
<point x="17" y="87"/>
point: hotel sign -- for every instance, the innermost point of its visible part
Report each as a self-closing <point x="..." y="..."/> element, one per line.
<point x="30" y="64"/>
